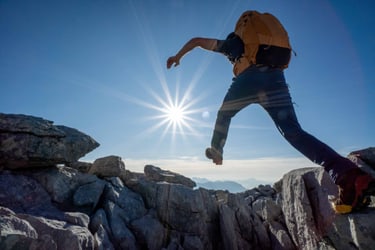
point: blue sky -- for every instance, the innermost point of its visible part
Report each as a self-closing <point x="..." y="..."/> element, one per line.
<point x="99" y="66"/>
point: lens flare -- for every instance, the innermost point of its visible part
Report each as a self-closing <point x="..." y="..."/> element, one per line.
<point x="175" y="114"/>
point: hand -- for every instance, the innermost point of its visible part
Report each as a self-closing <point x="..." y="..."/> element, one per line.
<point x="173" y="60"/>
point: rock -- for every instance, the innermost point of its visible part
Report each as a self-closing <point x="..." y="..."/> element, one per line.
<point x="62" y="183"/>
<point x="76" y="218"/>
<point x="181" y="208"/>
<point x="121" y="207"/>
<point x="147" y="189"/>
<point x="14" y="232"/>
<point x="88" y="195"/>
<point x="279" y="236"/>
<point x="123" y="238"/>
<point x="102" y="239"/>
<point x="149" y="232"/>
<point x="83" y="167"/>
<point x="367" y="155"/>
<point x="230" y="229"/>
<point x="13" y="123"/>
<point x="100" y="227"/>
<point x="365" y="159"/>
<point x="44" y="242"/>
<point x="306" y="207"/>
<point x="354" y="231"/>
<point x="23" y="231"/>
<point x="267" y="209"/>
<point x="192" y="242"/>
<point x="23" y="194"/>
<point x="99" y="219"/>
<point x="64" y="235"/>
<point x="108" y="166"/>
<point x="138" y="213"/>
<point x="27" y="142"/>
<point x="158" y="175"/>
<point x="131" y="204"/>
<point x="109" y="207"/>
<point x="240" y="227"/>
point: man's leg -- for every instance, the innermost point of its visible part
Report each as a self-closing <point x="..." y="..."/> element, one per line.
<point x="285" y="119"/>
<point x="220" y="133"/>
<point x="354" y="184"/>
<point x="239" y="95"/>
<point x="223" y="120"/>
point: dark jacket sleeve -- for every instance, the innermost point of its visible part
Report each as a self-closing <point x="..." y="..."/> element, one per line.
<point x="232" y="47"/>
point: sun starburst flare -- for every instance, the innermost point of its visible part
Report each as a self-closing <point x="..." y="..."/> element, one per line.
<point x="176" y="115"/>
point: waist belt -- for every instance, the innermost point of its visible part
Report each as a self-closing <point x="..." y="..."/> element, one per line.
<point x="241" y="64"/>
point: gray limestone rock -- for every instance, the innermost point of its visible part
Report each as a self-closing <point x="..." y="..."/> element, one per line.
<point x="28" y="141"/>
<point x="306" y="207"/>
<point x="158" y="175"/>
<point x="109" y="166"/>
<point x="66" y="236"/>
<point x="111" y="208"/>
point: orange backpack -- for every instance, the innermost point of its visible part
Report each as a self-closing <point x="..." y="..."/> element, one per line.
<point x="266" y="41"/>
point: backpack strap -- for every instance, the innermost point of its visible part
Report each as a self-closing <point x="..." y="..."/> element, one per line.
<point x="246" y="31"/>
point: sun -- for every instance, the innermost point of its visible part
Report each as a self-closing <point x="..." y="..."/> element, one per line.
<point x="172" y="112"/>
<point x="176" y="114"/>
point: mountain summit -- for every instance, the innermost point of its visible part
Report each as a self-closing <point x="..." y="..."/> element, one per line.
<point x="56" y="202"/>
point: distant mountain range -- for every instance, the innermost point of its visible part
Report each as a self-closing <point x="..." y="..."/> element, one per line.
<point x="231" y="186"/>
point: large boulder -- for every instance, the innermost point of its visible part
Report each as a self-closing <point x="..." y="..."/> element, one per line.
<point x="28" y="141"/>
<point x="109" y="166"/>
<point x="307" y="210"/>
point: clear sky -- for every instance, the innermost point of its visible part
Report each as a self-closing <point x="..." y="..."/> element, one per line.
<point x="99" y="66"/>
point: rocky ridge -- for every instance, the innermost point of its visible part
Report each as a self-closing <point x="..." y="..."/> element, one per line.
<point x="50" y="200"/>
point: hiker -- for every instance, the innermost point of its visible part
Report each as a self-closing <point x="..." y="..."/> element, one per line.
<point x="259" y="50"/>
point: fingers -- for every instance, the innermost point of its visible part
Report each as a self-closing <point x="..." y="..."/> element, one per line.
<point x="172" y="61"/>
<point x="169" y="62"/>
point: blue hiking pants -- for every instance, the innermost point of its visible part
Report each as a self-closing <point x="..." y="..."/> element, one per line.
<point x="267" y="87"/>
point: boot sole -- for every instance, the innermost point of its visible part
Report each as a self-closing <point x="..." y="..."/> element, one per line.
<point x="214" y="157"/>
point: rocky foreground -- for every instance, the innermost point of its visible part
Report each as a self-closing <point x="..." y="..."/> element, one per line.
<point x="50" y="200"/>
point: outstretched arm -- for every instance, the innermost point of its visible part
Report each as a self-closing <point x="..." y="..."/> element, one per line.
<point x="204" y="43"/>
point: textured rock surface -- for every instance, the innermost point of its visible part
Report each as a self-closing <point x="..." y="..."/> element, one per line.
<point x="27" y="141"/>
<point x="44" y="208"/>
<point x="156" y="174"/>
<point x="105" y="206"/>
<point x="108" y="166"/>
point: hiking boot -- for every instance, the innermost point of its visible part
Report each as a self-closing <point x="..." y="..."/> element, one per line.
<point x="355" y="189"/>
<point x="215" y="155"/>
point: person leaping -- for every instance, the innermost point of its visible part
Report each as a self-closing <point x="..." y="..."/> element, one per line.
<point x="259" y="50"/>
